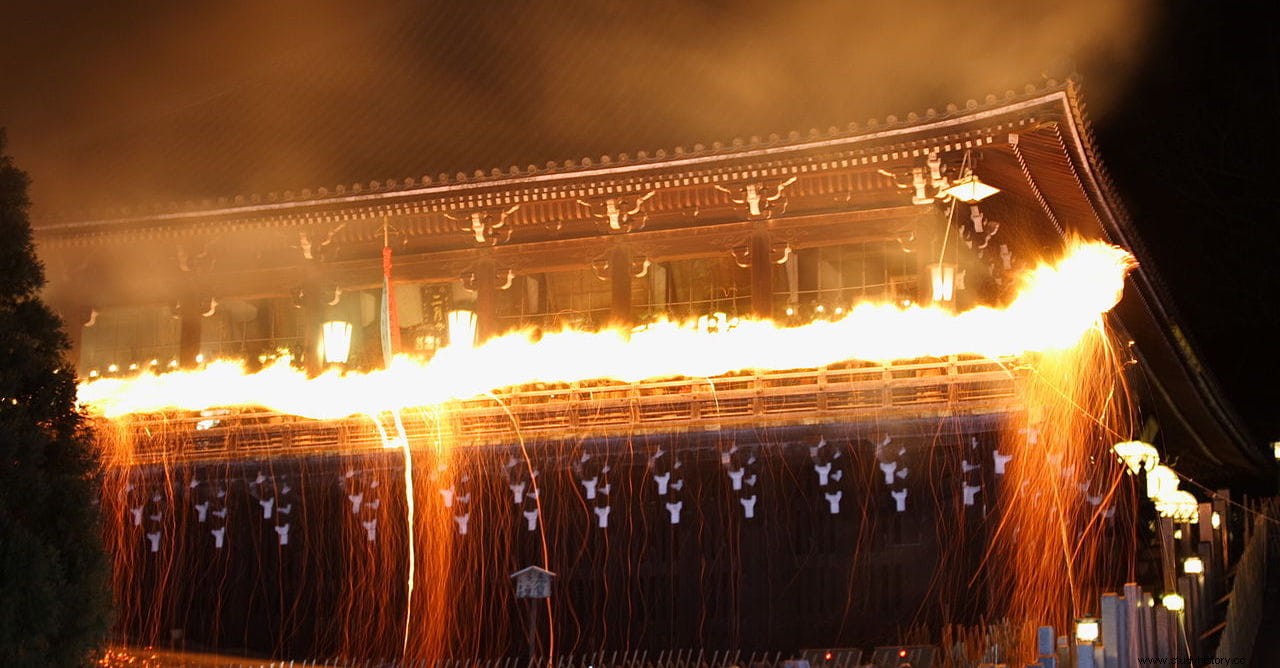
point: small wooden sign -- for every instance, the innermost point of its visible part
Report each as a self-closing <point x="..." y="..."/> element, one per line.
<point x="533" y="582"/>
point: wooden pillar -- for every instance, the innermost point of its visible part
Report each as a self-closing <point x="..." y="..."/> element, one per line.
<point x="486" y="299"/>
<point x="761" y="273"/>
<point x="1168" y="562"/>
<point x="311" y="361"/>
<point x="1114" y="634"/>
<point x="1134" y="643"/>
<point x="620" y="285"/>
<point x="189" y="329"/>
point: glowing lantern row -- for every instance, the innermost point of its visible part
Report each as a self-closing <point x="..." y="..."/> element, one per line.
<point x="1162" y="481"/>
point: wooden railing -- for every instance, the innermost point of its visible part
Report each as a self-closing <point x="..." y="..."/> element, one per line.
<point x="845" y="393"/>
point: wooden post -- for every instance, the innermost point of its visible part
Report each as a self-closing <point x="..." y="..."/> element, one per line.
<point x="189" y="330"/>
<point x="486" y="299"/>
<point x="1113" y="631"/>
<point x="534" y="585"/>
<point x="1221" y="535"/>
<point x="1206" y="590"/>
<point x="761" y="273"/>
<point x="620" y="286"/>
<point x="1164" y="626"/>
<point x="1133" y="619"/>
<point x="532" y="631"/>
<point x="1084" y="655"/>
<point x="1188" y="620"/>
<point x="1168" y="564"/>
<point x="312" y="319"/>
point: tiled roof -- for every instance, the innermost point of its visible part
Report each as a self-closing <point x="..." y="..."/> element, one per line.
<point x="569" y="167"/>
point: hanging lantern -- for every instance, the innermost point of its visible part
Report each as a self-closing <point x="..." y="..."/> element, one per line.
<point x="1161" y="482"/>
<point x="462" y="328"/>
<point x="335" y="341"/>
<point x="1137" y="455"/>
<point x="943" y="278"/>
<point x="1180" y="506"/>
<point x="969" y="189"/>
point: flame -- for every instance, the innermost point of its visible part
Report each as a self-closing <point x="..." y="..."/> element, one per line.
<point x="1056" y="305"/>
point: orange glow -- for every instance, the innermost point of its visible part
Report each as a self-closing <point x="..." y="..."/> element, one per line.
<point x="1041" y="563"/>
<point x="1056" y="306"/>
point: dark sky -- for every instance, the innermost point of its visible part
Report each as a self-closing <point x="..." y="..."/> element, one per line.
<point x="111" y="104"/>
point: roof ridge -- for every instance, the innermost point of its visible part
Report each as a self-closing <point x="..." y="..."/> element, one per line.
<point x="321" y="194"/>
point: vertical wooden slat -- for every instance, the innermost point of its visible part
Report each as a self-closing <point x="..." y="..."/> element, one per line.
<point x="1164" y="629"/>
<point x="1132" y="638"/>
<point x="1113" y="631"/>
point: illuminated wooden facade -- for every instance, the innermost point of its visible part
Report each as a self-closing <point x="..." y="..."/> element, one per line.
<point x="791" y="228"/>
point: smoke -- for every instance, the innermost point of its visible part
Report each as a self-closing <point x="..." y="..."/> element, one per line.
<point x="218" y="99"/>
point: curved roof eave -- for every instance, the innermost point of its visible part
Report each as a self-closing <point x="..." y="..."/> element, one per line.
<point x="1152" y="292"/>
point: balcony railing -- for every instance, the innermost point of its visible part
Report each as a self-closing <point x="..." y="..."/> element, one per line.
<point x="851" y="392"/>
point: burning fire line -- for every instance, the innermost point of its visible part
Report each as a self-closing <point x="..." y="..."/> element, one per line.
<point x="1057" y="304"/>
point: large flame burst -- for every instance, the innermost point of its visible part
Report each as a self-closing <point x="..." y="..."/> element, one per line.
<point x="1042" y="563"/>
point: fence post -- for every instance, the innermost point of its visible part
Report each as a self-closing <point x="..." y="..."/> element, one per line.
<point x="1113" y="632"/>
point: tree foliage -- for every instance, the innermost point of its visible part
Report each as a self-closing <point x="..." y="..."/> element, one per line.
<point x="54" y="591"/>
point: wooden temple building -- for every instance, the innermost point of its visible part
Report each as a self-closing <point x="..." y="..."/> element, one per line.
<point x="790" y="228"/>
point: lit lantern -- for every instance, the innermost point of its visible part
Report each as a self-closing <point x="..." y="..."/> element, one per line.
<point x="943" y="278"/>
<point x="1087" y="629"/>
<point x="1275" y="450"/>
<point x="1173" y="603"/>
<point x="335" y="341"/>
<point x="1215" y="520"/>
<point x="462" y="328"/>
<point x="1161" y="481"/>
<point x="1137" y="455"/>
<point x="969" y="189"/>
<point x="1180" y="506"/>
<point x="1193" y="566"/>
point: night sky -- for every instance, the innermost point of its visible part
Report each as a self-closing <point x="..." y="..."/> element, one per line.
<point x="126" y="104"/>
